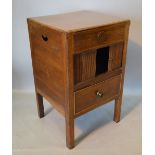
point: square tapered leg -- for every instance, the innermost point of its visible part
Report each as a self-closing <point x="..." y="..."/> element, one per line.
<point x="70" y="133"/>
<point x="40" y="105"/>
<point x="117" y="109"/>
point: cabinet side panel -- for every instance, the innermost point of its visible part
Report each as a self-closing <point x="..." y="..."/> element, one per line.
<point x="48" y="53"/>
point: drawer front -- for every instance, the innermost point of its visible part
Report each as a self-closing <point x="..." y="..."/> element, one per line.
<point x="92" y="96"/>
<point x="98" y="37"/>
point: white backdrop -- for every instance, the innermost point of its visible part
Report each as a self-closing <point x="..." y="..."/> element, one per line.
<point x="22" y="9"/>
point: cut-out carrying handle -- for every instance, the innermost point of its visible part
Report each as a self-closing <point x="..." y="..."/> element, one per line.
<point x="45" y="38"/>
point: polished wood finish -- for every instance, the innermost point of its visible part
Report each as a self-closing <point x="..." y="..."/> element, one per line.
<point x="69" y="104"/>
<point x="98" y="37"/>
<point x="118" y="102"/>
<point x="65" y="58"/>
<point x="97" y="79"/>
<point x="84" y="66"/>
<point x="77" y="21"/>
<point x="40" y="105"/>
<point x="117" y="109"/>
<point x="115" y="56"/>
<point x="87" y="97"/>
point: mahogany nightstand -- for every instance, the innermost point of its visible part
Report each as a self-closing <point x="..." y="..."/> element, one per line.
<point x="78" y="63"/>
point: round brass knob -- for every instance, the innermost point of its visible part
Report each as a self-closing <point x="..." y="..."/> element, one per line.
<point x="101" y="36"/>
<point x="99" y="94"/>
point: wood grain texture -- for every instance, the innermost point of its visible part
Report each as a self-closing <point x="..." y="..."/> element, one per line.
<point x="87" y="97"/>
<point x="98" y="37"/>
<point x="47" y="60"/>
<point x="97" y="79"/>
<point x="117" y="109"/>
<point x="115" y="56"/>
<point x="40" y="105"/>
<point x="78" y="20"/>
<point x="69" y="106"/>
<point x="85" y="66"/>
<point x="63" y="51"/>
<point x="118" y="101"/>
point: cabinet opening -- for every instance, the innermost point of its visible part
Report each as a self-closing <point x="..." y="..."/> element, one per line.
<point x="102" y="57"/>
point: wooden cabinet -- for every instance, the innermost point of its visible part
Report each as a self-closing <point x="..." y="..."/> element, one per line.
<point x="78" y="65"/>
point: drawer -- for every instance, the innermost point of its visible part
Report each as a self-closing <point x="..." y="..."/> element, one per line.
<point x="95" y="95"/>
<point x="98" y="37"/>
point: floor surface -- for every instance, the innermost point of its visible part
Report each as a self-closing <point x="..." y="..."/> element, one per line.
<point x="95" y="132"/>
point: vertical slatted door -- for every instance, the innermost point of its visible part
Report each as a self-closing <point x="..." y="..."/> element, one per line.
<point x="84" y="66"/>
<point x="115" y="56"/>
